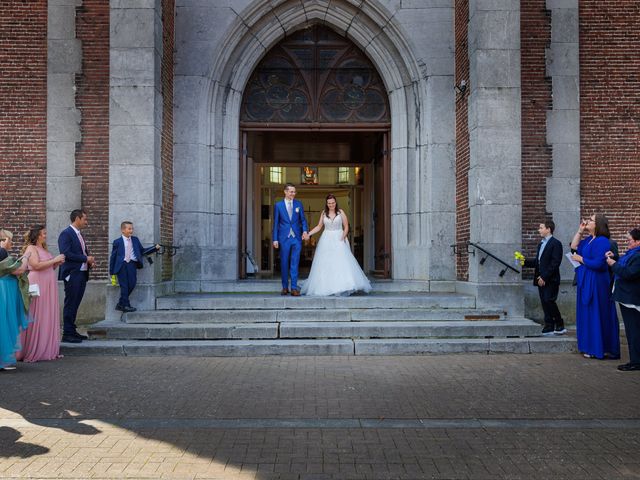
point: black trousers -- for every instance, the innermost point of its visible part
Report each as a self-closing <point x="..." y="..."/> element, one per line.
<point x="548" y="296"/>
<point x="73" y="293"/>
<point x="631" y="319"/>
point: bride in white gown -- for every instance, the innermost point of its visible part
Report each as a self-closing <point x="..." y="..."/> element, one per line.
<point x="334" y="270"/>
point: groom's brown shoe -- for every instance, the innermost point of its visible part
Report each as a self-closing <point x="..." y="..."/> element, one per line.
<point x="295" y="293"/>
<point x="284" y="291"/>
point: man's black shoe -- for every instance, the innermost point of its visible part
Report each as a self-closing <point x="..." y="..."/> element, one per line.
<point x="80" y="336"/>
<point x="560" y="330"/>
<point x="547" y="330"/>
<point x="629" y="367"/>
<point x="119" y="308"/>
<point x="71" y="339"/>
<point x="129" y="309"/>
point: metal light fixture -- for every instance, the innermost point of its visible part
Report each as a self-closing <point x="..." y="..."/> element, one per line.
<point x="461" y="88"/>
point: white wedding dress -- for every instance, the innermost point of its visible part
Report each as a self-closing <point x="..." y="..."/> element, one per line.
<point x="334" y="271"/>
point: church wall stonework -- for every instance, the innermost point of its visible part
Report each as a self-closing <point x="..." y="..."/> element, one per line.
<point x="412" y="47"/>
<point x="547" y="126"/>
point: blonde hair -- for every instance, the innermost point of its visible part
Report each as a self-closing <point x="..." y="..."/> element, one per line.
<point x="5" y="234"/>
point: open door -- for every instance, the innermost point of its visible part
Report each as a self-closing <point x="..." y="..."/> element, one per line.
<point x="382" y="209"/>
<point x="242" y="254"/>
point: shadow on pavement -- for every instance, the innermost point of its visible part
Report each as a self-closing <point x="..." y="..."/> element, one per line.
<point x="11" y="446"/>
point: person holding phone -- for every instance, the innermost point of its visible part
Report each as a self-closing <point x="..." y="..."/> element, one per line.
<point x="596" y="319"/>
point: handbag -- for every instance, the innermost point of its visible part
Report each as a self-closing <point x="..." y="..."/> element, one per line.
<point x="34" y="290"/>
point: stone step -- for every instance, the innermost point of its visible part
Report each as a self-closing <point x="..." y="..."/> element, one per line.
<point x="421" y="346"/>
<point x="248" y="301"/>
<point x="223" y="348"/>
<point x="210" y="348"/>
<point x="308" y="315"/>
<point x="204" y="331"/>
<point x="481" y="329"/>
<point x="273" y="286"/>
<point x="183" y="331"/>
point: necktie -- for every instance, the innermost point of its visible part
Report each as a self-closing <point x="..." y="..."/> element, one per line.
<point x="289" y="209"/>
<point x="127" y="251"/>
<point x="84" y="248"/>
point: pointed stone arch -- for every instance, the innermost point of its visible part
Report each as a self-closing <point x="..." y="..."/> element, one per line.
<point x="422" y="228"/>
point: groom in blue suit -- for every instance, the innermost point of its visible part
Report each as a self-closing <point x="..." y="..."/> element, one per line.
<point x="289" y="230"/>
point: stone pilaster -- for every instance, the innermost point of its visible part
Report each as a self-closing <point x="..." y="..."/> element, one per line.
<point x="495" y="187"/>
<point x="563" y="121"/>
<point x="63" y="118"/>
<point x="135" y="126"/>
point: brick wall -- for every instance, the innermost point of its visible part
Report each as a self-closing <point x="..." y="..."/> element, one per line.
<point x="610" y="112"/>
<point x="166" y="210"/>
<point x="535" y="37"/>
<point x="92" y="152"/>
<point x="462" y="135"/>
<point x="23" y="115"/>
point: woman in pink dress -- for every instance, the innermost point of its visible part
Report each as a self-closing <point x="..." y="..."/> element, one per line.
<point x="41" y="340"/>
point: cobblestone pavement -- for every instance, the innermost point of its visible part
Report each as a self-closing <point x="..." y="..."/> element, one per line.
<point x="448" y="417"/>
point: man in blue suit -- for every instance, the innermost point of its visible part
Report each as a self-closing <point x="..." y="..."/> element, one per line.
<point x="289" y="230"/>
<point x="126" y="258"/>
<point x="74" y="272"/>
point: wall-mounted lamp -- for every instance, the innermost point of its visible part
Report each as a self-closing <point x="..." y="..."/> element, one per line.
<point x="461" y="88"/>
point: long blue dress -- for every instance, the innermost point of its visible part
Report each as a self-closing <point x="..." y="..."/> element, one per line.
<point x="596" y="319"/>
<point x="12" y="319"/>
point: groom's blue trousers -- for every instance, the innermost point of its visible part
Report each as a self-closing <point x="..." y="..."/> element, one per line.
<point x="290" y="250"/>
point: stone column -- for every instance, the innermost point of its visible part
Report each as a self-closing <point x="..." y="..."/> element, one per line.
<point x="423" y="144"/>
<point x="135" y="126"/>
<point x="495" y="184"/>
<point x="563" y="122"/>
<point x="63" y="118"/>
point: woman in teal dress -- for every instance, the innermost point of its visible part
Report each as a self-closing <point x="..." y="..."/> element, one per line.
<point x="597" y="326"/>
<point x="14" y="286"/>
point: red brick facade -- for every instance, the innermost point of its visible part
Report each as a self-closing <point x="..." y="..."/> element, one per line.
<point x="610" y="112"/>
<point x="535" y="37"/>
<point x="462" y="136"/>
<point x="23" y="115"/>
<point x="166" y="210"/>
<point x="92" y="152"/>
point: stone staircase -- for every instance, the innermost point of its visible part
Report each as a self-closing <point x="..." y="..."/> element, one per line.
<point x="389" y="321"/>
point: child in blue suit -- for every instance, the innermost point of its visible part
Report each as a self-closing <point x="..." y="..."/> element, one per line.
<point x="126" y="258"/>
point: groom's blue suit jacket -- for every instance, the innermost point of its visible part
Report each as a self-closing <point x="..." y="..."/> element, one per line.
<point x="282" y="225"/>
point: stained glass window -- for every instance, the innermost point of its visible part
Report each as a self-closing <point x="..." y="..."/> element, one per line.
<point x="315" y="75"/>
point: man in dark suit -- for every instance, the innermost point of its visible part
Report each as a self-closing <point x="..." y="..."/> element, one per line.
<point x="74" y="272"/>
<point x="126" y="259"/>
<point x="547" y="278"/>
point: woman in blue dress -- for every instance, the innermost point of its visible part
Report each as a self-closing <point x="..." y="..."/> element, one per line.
<point x="13" y="315"/>
<point x="596" y="319"/>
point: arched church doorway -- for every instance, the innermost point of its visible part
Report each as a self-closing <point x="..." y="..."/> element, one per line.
<point x="315" y="113"/>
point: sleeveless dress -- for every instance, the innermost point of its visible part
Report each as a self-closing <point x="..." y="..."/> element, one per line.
<point x="41" y="340"/>
<point x="12" y="319"/>
<point x="334" y="270"/>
